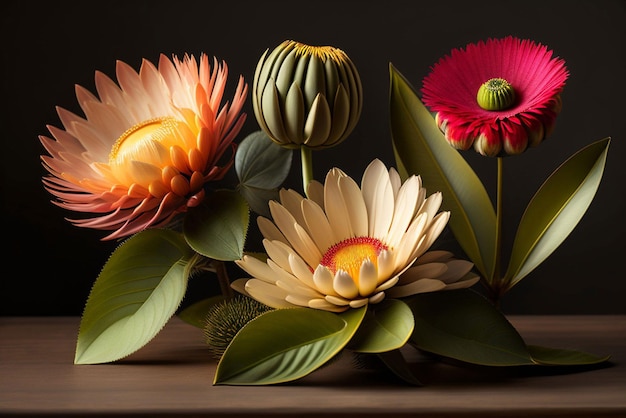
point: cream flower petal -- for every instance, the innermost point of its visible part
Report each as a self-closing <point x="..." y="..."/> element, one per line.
<point x="334" y="206"/>
<point x="357" y="303"/>
<point x="318" y="226"/>
<point x="315" y="192"/>
<point x="294" y="233"/>
<point x="396" y="182"/>
<point x="419" y="286"/>
<point x="431" y="205"/>
<point x="404" y="210"/>
<point x="323" y="279"/>
<point x="302" y="271"/>
<point x="379" y="199"/>
<point x="368" y="278"/>
<point x="386" y="263"/>
<point x="387" y="284"/>
<point x="469" y="280"/>
<point x="436" y="227"/>
<point x="423" y="271"/>
<point x="434" y="256"/>
<point x="270" y="231"/>
<point x="325" y="305"/>
<point x="377" y="298"/>
<point x="268" y="294"/>
<point x="337" y="300"/>
<point x="256" y="268"/>
<point x="344" y="285"/>
<point x="278" y="252"/>
<point x="355" y="206"/>
<point x="456" y="269"/>
<point x="292" y="200"/>
<point x="410" y="240"/>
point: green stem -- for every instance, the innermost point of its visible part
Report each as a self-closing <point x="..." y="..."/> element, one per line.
<point x="306" y="156"/>
<point x="222" y="278"/>
<point x="496" y="283"/>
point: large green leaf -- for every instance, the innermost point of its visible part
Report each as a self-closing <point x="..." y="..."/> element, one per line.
<point x="463" y="325"/>
<point x="261" y="166"/>
<point x="560" y="357"/>
<point x="217" y="227"/>
<point x="137" y="292"/>
<point x="556" y="209"/>
<point x="421" y="149"/>
<point x="387" y="326"/>
<point x="394" y="360"/>
<point x="285" y="344"/>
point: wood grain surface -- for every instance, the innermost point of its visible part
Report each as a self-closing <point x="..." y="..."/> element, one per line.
<point x="173" y="376"/>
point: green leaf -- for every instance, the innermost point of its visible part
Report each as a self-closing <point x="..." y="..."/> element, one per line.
<point x="559" y="357"/>
<point x="260" y="162"/>
<point x="387" y="326"/>
<point x="196" y="313"/>
<point x="556" y="209"/>
<point x="463" y="325"/>
<point x="285" y="344"/>
<point x="261" y="166"/>
<point x="217" y="228"/>
<point x="394" y="360"/>
<point x="137" y="292"/>
<point x="421" y="149"/>
<point x="258" y="198"/>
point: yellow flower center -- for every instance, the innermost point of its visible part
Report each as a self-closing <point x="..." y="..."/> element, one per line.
<point x="138" y="142"/>
<point x="349" y="255"/>
<point x="495" y="94"/>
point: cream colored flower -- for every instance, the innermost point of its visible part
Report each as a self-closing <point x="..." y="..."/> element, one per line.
<point x="146" y="148"/>
<point x="345" y="246"/>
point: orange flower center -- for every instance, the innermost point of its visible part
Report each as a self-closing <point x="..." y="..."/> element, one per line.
<point x="138" y="142"/>
<point x="349" y="255"/>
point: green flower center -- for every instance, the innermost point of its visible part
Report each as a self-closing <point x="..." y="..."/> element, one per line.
<point x="495" y="94"/>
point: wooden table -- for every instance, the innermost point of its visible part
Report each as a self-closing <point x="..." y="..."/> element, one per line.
<point x="172" y="376"/>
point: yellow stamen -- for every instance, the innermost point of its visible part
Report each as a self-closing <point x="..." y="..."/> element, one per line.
<point x="349" y="255"/>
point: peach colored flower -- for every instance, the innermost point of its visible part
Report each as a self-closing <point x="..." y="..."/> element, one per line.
<point x="146" y="146"/>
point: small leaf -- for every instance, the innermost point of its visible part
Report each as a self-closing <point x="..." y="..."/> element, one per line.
<point x="285" y="344"/>
<point x="137" y="292"/>
<point x="196" y="313"/>
<point x="559" y="357"/>
<point x="261" y="163"/>
<point x="258" y="198"/>
<point x="387" y="326"/>
<point x="463" y="325"/>
<point x="556" y="209"/>
<point x="395" y="361"/>
<point x="217" y="228"/>
<point x="421" y="149"/>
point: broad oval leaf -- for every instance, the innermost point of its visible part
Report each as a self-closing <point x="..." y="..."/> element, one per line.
<point x="261" y="163"/>
<point x="560" y="357"/>
<point x="387" y="326"/>
<point x="258" y="199"/>
<point x="421" y="149"/>
<point x="137" y="292"/>
<point x="217" y="227"/>
<point x="556" y="209"/>
<point x="463" y="325"/>
<point x="285" y="344"/>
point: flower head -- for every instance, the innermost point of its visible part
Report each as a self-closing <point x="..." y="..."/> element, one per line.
<point x="500" y="96"/>
<point x="346" y="246"/>
<point x="146" y="148"/>
<point x="306" y="95"/>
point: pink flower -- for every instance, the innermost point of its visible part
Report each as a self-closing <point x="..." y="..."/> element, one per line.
<point x="500" y="96"/>
<point x="147" y="147"/>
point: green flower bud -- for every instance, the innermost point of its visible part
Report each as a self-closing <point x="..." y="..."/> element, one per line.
<point x="306" y="95"/>
<point x="495" y="94"/>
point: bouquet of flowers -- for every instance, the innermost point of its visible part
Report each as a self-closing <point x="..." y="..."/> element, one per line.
<point x="349" y="265"/>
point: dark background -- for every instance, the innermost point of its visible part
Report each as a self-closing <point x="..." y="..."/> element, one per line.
<point x="49" y="265"/>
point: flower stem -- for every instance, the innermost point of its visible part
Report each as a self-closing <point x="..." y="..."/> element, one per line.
<point x="306" y="156"/>
<point x="497" y="284"/>
<point x="222" y="278"/>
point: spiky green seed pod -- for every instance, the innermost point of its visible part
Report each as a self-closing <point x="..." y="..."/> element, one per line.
<point x="306" y="95"/>
<point x="495" y="94"/>
<point x="225" y="320"/>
